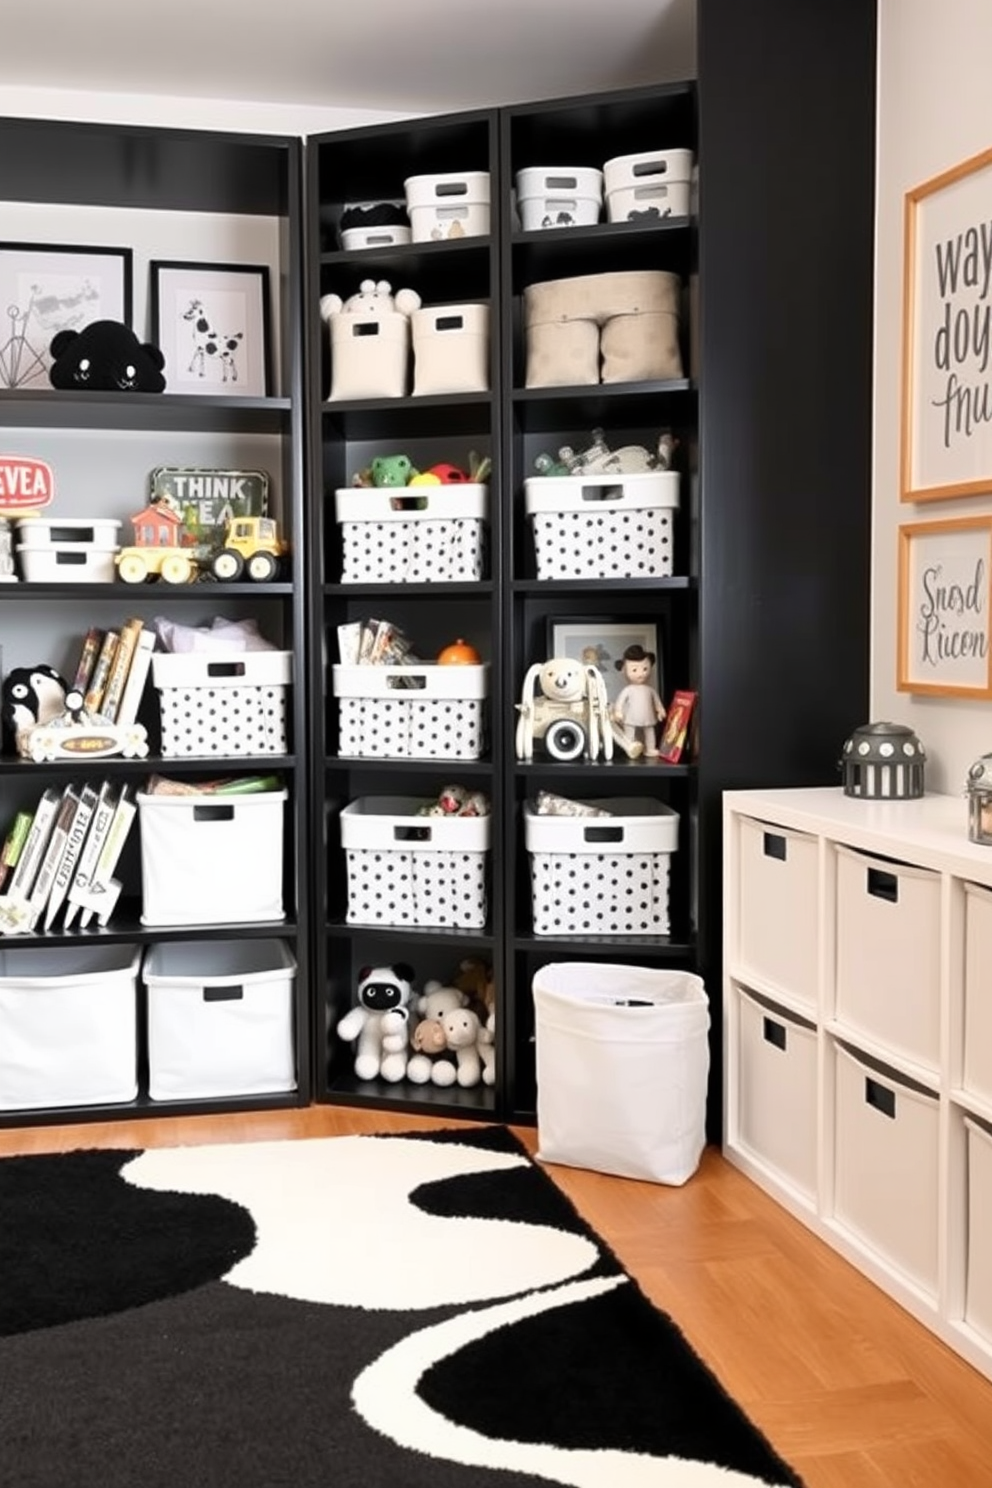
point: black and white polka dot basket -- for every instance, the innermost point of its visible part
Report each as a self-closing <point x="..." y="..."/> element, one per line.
<point x="407" y="869"/>
<point x="223" y="702"/>
<point x="602" y="875"/>
<point x="603" y="526"/>
<point x="413" y="535"/>
<point x="411" y="712"/>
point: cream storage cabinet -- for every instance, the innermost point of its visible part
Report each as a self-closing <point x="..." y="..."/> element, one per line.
<point x="857" y="1009"/>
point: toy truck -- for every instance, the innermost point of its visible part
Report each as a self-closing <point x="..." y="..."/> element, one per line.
<point x="252" y="548"/>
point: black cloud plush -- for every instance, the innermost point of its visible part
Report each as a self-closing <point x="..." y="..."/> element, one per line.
<point x="107" y="357"/>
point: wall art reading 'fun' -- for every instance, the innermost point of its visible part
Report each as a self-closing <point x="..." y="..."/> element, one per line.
<point x="947" y="335"/>
<point x="944" y="631"/>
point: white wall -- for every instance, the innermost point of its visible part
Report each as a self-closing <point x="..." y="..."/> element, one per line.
<point x="934" y="110"/>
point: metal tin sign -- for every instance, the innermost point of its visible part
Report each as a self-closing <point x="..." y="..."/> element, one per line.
<point x="26" y="484"/>
<point x="208" y="499"/>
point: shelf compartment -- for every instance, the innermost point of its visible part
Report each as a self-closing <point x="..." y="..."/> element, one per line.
<point x="166" y="412"/>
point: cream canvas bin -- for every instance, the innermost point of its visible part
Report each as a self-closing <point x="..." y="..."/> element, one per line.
<point x="68" y="1025"/>
<point x="220" y="1018"/>
<point x="777" y="1090"/>
<point x="223" y="702"/>
<point x="450" y="349"/>
<point x="420" y="534"/>
<point x="211" y="859"/>
<point x="411" y="712"/>
<point x="559" y="197"/>
<point x="655" y="184"/>
<point x="603" y="526"/>
<point x="408" y="869"/>
<point x="888" y="953"/>
<point x="885" y="1166"/>
<point x="451" y="205"/>
<point x="369" y="355"/>
<point x="977" y="991"/>
<point x="778" y="910"/>
<point x="598" y="875"/>
<point x="978" y="1286"/>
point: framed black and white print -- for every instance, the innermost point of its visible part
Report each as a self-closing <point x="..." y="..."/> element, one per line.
<point x="46" y="288"/>
<point x="602" y="643"/>
<point x="211" y="322"/>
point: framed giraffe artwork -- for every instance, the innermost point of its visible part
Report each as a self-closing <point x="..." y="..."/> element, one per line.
<point x="211" y="323"/>
<point x="50" y="287"/>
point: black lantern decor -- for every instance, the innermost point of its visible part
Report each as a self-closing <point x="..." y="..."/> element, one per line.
<point x="883" y="762"/>
<point x="980" y="801"/>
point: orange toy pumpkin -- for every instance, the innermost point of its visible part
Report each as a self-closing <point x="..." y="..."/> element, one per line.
<point x="459" y="654"/>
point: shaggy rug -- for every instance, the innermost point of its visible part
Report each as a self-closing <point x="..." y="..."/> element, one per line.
<point x="415" y="1311"/>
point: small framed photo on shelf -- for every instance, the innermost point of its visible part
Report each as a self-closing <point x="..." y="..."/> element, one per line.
<point x="211" y="323"/>
<point x="603" y="643"/>
<point x="46" y="288"/>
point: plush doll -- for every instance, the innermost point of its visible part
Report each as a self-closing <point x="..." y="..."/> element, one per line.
<point x="638" y="709"/>
<point x="425" y="1066"/>
<point x="373" y="301"/>
<point x="380" y="1021"/>
<point x="370" y="340"/>
<point x="476" y="1058"/>
<point x="105" y="357"/>
<point x="30" y="695"/>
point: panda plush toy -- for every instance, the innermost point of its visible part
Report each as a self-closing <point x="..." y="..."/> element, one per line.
<point x="380" y="1021"/>
<point x="29" y="695"/>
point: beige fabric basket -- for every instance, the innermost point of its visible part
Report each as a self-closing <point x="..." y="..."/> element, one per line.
<point x="619" y="327"/>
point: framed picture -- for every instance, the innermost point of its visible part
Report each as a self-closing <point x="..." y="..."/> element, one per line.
<point x="946" y="445"/>
<point x="944" y="633"/>
<point x="211" y="322"/>
<point x="47" y="288"/>
<point x="602" y="643"/>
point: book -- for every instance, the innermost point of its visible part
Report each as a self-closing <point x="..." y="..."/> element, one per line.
<point x="67" y="866"/>
<point x="103" y="815"/>
<point x="675" y="732"/>
<point x="34" y="848"/>
<point x="120" y="666"/>
<point x="137" y="676"/>
<point x="13" y="844"/>
<point x="53" y="854"/>
<point x="101" y="671"/>
<point x="92" y="642"/>
<point x="103" y="881"/>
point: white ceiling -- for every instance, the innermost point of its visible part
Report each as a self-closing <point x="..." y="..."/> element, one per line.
<point x="409" y="56"/>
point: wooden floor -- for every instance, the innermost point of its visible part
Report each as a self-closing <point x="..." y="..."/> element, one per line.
<point x="849" y="1388"/>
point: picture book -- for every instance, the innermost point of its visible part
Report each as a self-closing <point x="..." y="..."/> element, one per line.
<point x="119" y="668"/>
<point x="676" y="729"/>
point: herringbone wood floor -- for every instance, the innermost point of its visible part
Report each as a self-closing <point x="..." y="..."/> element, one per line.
<point x="850" y="1389"/>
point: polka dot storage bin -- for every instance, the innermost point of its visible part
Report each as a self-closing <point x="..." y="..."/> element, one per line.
<point x="411" y="712"/>
<point x="223" y="702"/>
<point x="603" y="526"/>
<point x="422" y="534"/>
<point x="408" y="869"/>
<point x="602" y="875"/>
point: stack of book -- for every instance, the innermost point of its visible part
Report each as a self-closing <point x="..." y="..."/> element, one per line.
<point x="112" y="670"/>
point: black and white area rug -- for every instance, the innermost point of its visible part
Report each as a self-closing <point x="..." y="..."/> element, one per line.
<point x="416" y="1311"/>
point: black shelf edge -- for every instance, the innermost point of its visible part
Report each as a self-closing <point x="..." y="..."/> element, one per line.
<point x="126" y="928"/>
<point x="478" y="1101"/>
<point x="144" y="1107"/>
<point x="150" y="411"/>
<point x="404" y="253"/>
<point x="155" y="591"/>
<point x="380" y="406"/>
<point x="481" y="767"/>
<point x="599" y="232"/>
<point x="658" y="946"/>
<point x="472" y="589"/>
<point x="676" y="582"/>
<point x="424" y="935"/>
<point x="596" y="769"/>
<point x="659" y="389"/>
<point x="152" y="764"/>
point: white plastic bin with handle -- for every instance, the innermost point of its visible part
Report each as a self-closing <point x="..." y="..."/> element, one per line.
<point x="622" y="1067"/>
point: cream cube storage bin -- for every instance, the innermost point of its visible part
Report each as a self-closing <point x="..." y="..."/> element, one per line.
<point x="450" y="349"/>
<point x="210" y="859"/>
<point x="978" y="1284"/>
<point x="778" y="911"/>
<point x="885" y="1165"/>
<point x="411" y="712"/>
<point x="602" y="875"/>
<point x="370" y="355"/>
<point x="603" y="526"/>
<point x="653" y="184"/>
<point x="776" y="1090"/>
<point x="68" y="1026"/>
<point x="451" y="205"/>
<point x="421" y="534"/>
<point x="977" y="999"/>
<point x="888" y="954"/>
<point x="566" y="196"/>
<point x="408" y="869"/>
<point x="68" y="550"/>
<point x="225" y="702"/>
<point x="220" y="1018"/>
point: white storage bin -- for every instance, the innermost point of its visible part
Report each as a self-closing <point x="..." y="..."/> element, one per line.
<point x="559" y="197"/>
<point x="885" y="1165"/>
<point x="656" y="183"/>
<point x="451" y="205"/>
<point x="370" y="355"/>
<point x="597" y="875"/>
<point x="777" y="1090"/>
<point x="450" y="349"/>
<point x="411" y="712"/>
<point x="603" y="526"/>
<point x="888" y="953"/>
<point x="385" y="236"/>
<point x="421" y="534"/>
<point x="978" y="991"/>
<point x="69" y="532"/>
<point x="978" y="1284"/>
<point x="223" y="702"/>
<point x="622" y="1065"/>
<point x="67" y="563"/>
<point x="209" y="859"/>
<point x="778" y="910"/>
<point x="220" y="1018"/>
<point x="408" y="869"/>
<point x="68" y="1026"/>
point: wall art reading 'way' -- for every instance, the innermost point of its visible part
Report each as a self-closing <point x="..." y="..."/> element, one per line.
<point x="947" y="335"/>
<point x="944" y="635"/>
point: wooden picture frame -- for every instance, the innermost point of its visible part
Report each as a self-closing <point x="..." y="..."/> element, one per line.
<point x="946" y="435"/>
<point x="211" y="322"/>
<point x="50" y="287"/>
<point x="944" y="632"/>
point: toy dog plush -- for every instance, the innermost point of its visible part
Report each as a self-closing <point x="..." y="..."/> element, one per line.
<point x="569" y="714"/>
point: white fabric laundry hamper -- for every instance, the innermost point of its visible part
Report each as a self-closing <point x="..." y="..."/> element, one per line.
<point x="622" y="1067"/>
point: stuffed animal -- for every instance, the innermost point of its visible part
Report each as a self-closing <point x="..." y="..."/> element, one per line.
<point x="475" y="978"/>
<point x="30" y="695"/>
<point x="105" y="357"/>
<point x="373" y="301"/>
<point x="380" y="1021"/>
<point x="430" y="1039"/>
<point x="476" y="1057"/>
